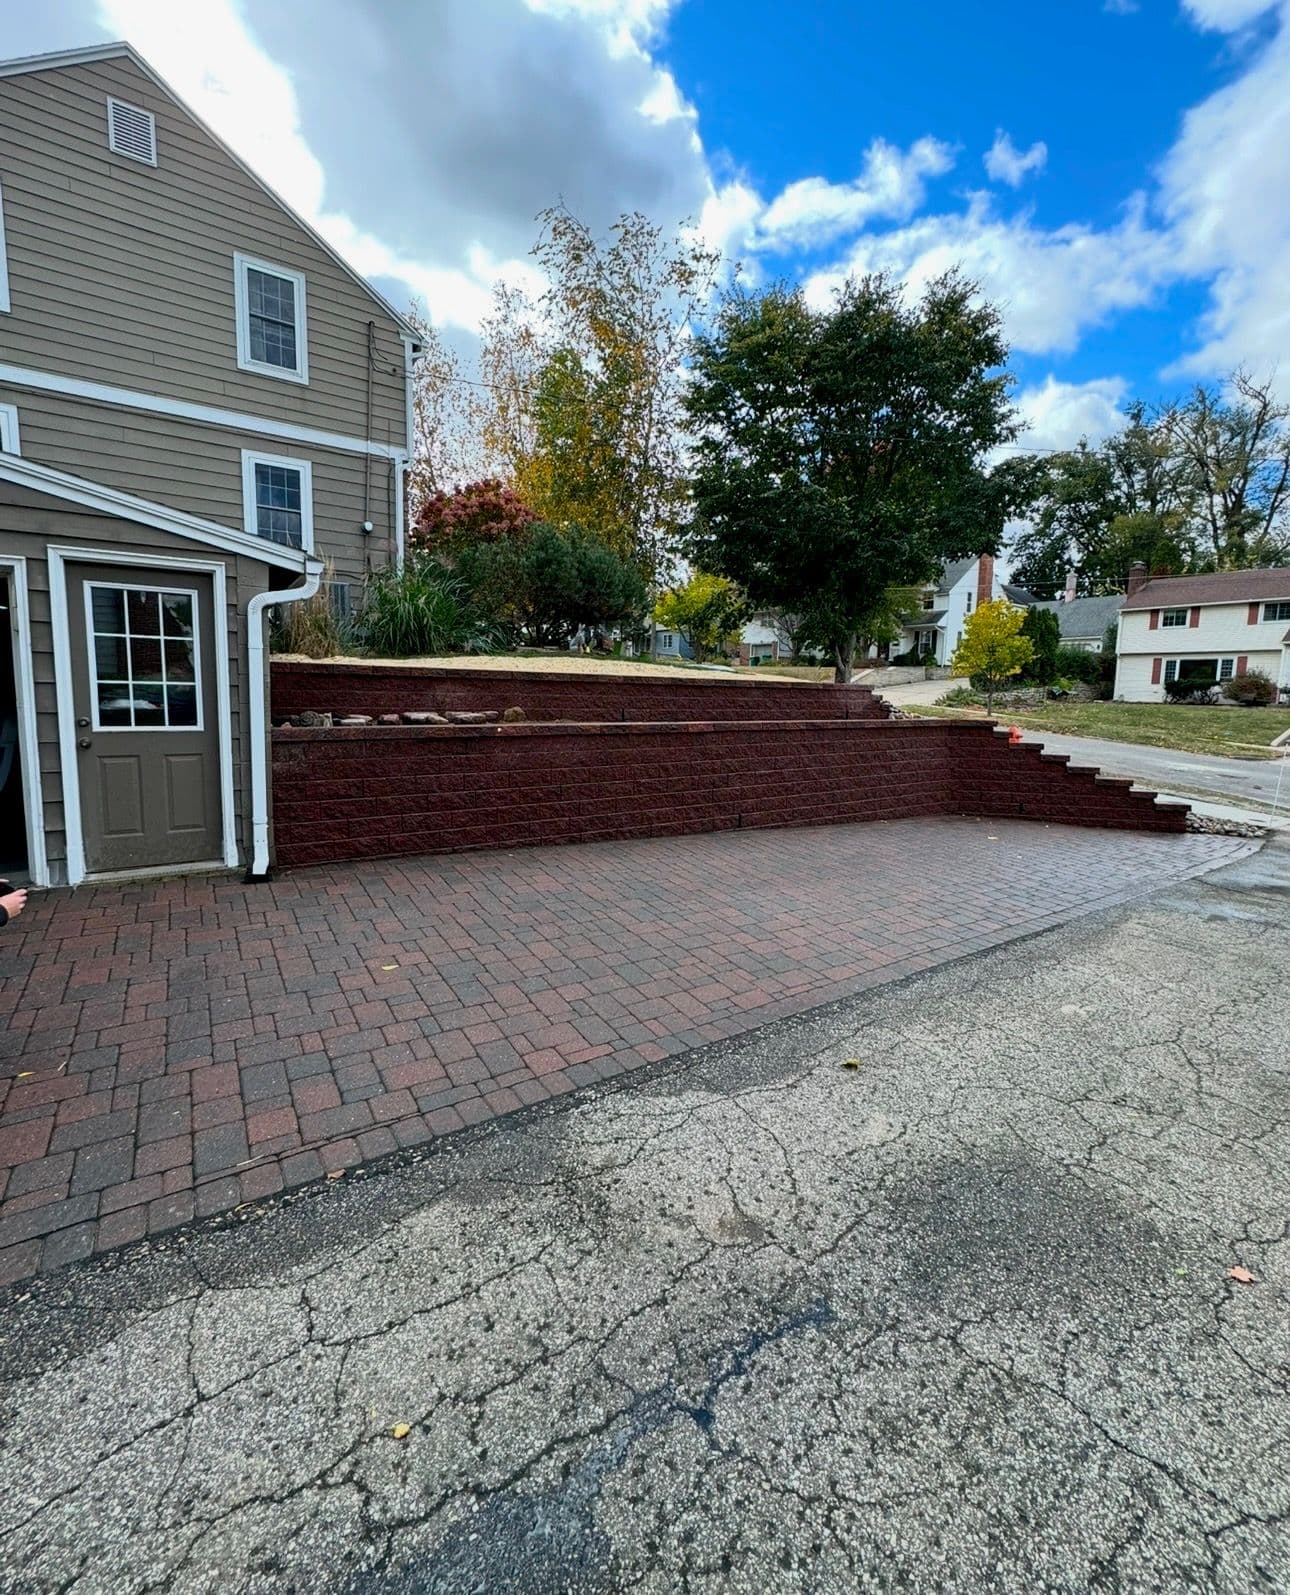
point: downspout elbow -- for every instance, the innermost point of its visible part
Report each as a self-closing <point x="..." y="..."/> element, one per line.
<point x="258" y="866"/>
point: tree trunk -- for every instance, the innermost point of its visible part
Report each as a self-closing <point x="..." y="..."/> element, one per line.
<point x="844" y="653"/>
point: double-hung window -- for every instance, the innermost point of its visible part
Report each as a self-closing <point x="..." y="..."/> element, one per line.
<point x="277" y="499"/>
<point x="9" y="441"/>
<point x="1173" y="617"/>
<point x="272" y="334"/>
<point x="1280" y="610"/>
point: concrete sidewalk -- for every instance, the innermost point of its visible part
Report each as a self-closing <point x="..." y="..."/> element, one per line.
<point x="955" y="1318"/>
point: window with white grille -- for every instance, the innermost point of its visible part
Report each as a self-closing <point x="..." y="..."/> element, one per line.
<point x="270" y="305"/>
<point x="132" y="132"/>
<point x="277" y="499"/>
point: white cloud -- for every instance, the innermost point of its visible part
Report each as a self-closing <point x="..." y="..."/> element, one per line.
<point x="891" y="184"/>
<point x="1058" y="414"/>
<point x="1226" y="16"/>
<point x="1225" y="191"/>
<point x="1121" y="8"/>
<point x="1053" y="284"/>
<point x="1005" y="163"/>
<point x="458" y="124"/>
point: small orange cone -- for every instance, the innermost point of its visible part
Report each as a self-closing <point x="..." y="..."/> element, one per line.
<point x="1014" y="736"/>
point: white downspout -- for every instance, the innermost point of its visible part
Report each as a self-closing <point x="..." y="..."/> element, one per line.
<point x="258" y="869"/>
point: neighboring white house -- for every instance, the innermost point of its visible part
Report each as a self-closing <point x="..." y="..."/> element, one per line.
<point x="1201" y="628"/>
<point x="937" y="626"/>
<point x="763" y="639"/>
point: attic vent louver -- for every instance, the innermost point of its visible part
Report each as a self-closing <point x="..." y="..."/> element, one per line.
<point x="132" y="132"/>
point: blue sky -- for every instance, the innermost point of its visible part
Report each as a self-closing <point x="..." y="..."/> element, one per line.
<point x="1116" y="173"/>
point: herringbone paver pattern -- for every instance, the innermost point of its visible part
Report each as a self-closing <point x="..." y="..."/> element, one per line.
<point x="175" y="1049"/>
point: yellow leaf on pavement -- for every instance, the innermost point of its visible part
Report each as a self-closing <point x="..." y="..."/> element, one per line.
<point x="401" y="1431"/>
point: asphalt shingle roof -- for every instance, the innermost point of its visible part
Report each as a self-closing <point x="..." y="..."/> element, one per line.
<point x="1219" y="587"/>
<point x="1084" y="617"/>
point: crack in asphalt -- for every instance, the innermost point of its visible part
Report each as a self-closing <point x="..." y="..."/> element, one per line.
<point x="956" y="1318"/>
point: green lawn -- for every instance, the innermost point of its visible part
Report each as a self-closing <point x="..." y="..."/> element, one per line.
<point x="1235" y="733"/>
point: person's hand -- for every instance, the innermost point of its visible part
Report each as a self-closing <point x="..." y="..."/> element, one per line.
<point x="13" y="903"/>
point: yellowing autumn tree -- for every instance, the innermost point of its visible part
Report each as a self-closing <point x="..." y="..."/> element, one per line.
<point x="582" y="385"/>
<point x="707" y="611"/>
<point x="992" y="648"/>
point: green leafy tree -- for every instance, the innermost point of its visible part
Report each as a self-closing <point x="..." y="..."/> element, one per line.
<point x="992" y="649"/>
<point x="1234" y="448"/>
<point x="840" y="453"/>
<point x="707" y="611"/>
<point x="1044" y="633"/>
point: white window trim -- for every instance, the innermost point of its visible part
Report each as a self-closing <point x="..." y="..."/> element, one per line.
<point x="4" y="260"/>
<point x="139" y="110"/>
<point x="250" y="459"/>
<point x="92" y="654"/>
<point x="10" y="438"/>
<point x="1273" y="603"/>
<point x="241" y="265"/>
<point x="1167" y="624"/>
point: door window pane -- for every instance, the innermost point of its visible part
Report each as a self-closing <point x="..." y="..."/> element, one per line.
<point x="181" y="705"/>
<point x="110" y="655"/>
<point x="179" y="661"/>
<point x="109" y="609"/>
<point x="141" y="614"/>
<point x="144" y="654"/>
<point x="145" y="659"/>
<point x="177" y="614"/>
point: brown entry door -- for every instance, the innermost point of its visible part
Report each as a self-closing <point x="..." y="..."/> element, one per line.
<point x="147" y="727"/>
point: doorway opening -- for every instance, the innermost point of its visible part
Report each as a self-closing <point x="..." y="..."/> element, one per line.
<point x="13" y="811"/>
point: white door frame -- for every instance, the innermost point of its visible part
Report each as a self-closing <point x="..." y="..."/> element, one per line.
<point x="59" y="558"/>
<point x="15" y="567"/>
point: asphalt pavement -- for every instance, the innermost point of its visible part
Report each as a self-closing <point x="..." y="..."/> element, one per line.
<point x="927" y="1291"/>
<point x="1167" y="770"/>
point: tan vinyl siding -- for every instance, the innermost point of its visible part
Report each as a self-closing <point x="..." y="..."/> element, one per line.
<point x="123" y="273"/>
<point x="198" y="469"/>
<point x="29" y="522"/>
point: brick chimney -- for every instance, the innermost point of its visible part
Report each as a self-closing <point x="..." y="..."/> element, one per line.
<point x="984" y="579"/>
<point x="1137" y="577"/>
<point x="1072" y="586"/>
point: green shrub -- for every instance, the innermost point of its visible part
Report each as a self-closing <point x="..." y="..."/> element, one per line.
<point x="1254" y="690"/>
<point x="1187" y="689"/>
<point x="958" y="697"/>
<point x="1045" y="636"/>
<point x="422" y="610"/>
<point x="1077" y="664"/>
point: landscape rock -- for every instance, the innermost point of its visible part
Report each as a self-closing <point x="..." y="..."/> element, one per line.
<point x="1211" y="826"/>
<point x="311" y="718"/>
<point x="472" y="717"/>
<point x="513" y="715"/>
<point x="422" y="717"/>
<point x="354" y="720"/>
<point x="389" y="719"/>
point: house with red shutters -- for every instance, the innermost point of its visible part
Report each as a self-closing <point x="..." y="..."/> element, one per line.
<point x="1205" y="629"/>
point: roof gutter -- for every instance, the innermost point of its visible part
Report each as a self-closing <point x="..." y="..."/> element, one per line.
<point x="257" y="690"/>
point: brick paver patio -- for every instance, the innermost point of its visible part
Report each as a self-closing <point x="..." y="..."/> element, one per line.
<point x="176" y="1048"/>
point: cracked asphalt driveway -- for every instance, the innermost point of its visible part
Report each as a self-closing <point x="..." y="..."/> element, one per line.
<point x="954" y="1319"/>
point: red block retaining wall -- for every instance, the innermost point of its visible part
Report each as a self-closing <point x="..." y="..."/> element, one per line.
<point x="370" y="792"/>
<point x="581" y="696"/>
